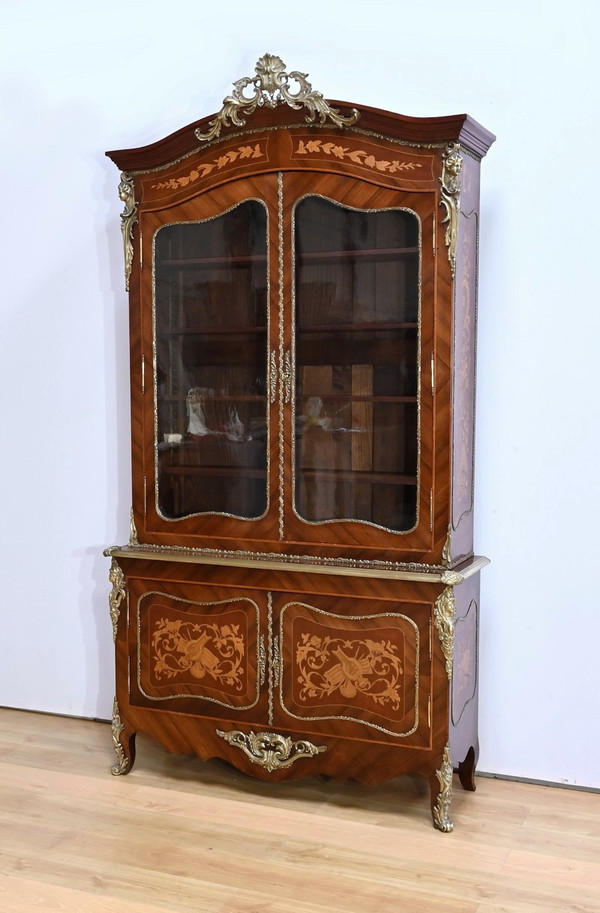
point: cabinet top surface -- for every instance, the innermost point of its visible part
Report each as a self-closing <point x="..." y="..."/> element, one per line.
<point x="396" y="571"/>
<point x="274" y="99"/>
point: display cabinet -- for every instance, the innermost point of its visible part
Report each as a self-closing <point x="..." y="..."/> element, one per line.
<point x="300" y="594"/>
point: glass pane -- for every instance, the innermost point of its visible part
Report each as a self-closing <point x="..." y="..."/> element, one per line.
<point x="357" y="343"/>
<point x="211" y="362"/>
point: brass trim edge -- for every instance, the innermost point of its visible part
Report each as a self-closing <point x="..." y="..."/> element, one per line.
<point x="271" y="88"/>
<point x="269" y="654"/>
<point x="281" y="340"/>
<point x="270" y="750"/>
<point x="262" y="660"/>
<point x="305" y="564"/>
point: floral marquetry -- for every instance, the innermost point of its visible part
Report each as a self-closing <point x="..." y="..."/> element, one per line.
<point x="213" y="650"/>
<point x="203" y="169"/>
<point x="365" y="669"/>
<point x="198" y="651"/>
<point x="333" y="664"/>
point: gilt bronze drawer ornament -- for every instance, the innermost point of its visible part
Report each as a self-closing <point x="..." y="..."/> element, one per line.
<point x="271" y="750"/>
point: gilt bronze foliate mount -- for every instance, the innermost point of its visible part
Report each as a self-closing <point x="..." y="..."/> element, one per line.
<point x="271" y="87"/>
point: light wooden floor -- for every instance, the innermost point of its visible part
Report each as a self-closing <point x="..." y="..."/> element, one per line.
<point x="178" y="834"/>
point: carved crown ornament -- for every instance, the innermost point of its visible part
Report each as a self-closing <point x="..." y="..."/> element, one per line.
<point x="270" y="88"/>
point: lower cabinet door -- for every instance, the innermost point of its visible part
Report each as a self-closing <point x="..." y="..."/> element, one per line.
<point x="195" y="649"/>
<point x="358" y="668"/>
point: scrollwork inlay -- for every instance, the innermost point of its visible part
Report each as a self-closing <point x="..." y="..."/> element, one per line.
<point x="270" y="88"/>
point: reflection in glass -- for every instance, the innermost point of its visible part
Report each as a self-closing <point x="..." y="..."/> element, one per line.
<point x="211" y="360"/>
<point x="357" y="339"/>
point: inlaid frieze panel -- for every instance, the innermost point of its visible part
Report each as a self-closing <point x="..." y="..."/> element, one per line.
<point x="365" y="155"/>
<point x="209" y="166"/>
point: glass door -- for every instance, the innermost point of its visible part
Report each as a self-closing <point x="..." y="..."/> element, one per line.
<point x="357" y="312"/>
<point x="211" y="345"/>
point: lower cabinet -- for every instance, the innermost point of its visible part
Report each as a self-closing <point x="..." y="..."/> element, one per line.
<point x="287" y="673"/>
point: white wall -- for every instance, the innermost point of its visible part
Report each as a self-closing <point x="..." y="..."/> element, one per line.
<point x="78" y="78"/>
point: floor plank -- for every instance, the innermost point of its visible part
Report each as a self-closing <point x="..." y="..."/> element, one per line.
<point x="179" y="835"/>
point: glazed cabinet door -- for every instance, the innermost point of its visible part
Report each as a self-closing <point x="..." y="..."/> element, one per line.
<point x="196" y="649"/>
<point x="205" y="367"/>
<point x="360" y="351"/>
<point x="285" y="368"/>
<point x="359" y="667"/>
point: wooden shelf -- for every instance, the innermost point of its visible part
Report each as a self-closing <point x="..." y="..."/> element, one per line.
<point x="214" y="331"/>
<point x="360" y="398"/>
<point x="357" y="478"/>
<point x="354" y="327"/>
<point x="387" y="253"/>
<point x="192" y="470"/>
<point x="219" y="398"/>
<point x="211" y="262"/>
<point x="374" y="253"/>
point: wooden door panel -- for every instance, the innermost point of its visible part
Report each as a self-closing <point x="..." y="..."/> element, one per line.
<point x="199" y="651"/>
<point x="356" y="666"/>
<point x="358" y="457"/>
<point x="208" y="441"/>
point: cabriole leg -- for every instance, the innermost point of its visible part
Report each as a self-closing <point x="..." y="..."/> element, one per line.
<point x="466" y="771"/>
<point x="441" y="794"/>
<point x="124" y="744"/>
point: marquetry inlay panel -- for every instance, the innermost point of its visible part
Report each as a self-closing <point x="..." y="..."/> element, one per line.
<point x="363" y="669"/>
<point x="197" y="650"/>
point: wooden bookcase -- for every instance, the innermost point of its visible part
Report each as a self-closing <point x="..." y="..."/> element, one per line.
<point x="300" y="593"/>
